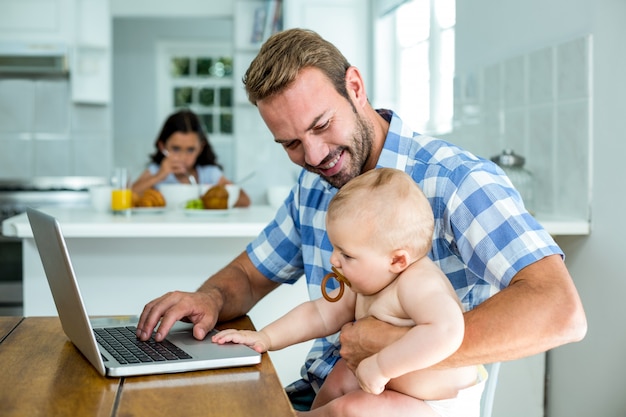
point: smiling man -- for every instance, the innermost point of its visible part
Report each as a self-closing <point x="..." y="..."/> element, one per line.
<point x="508" y="272"/>
<point x="330" y="134"/>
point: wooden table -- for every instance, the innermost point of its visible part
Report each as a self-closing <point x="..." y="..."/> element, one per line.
<point x="43" y="374"/>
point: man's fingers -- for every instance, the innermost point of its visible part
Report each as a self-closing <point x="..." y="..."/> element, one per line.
<point x="149" y="318"/>
<point x="202" y="327"/>
<point x="166" y="310"/>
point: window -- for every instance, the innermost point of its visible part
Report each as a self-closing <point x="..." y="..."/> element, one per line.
<point x="198" y="77"/>
<point x="423" y="34"/>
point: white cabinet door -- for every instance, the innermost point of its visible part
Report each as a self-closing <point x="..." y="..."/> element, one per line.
<point x="47" y="21"/>
<point x="91" y="64"/>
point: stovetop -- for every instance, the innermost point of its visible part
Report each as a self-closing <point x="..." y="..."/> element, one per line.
<point x="49" y="184"/>
<point x="17" y="194"/>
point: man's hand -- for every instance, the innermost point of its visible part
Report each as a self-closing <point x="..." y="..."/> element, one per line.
<point x="365" y="337"/>
<point x="230" y="293"/>
<point x="199" y="308"/>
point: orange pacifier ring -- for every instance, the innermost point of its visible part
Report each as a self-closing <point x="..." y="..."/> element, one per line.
<point x="342" y="283"/>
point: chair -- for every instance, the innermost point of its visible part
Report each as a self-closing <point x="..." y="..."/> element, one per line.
<point x="489" y="393"/>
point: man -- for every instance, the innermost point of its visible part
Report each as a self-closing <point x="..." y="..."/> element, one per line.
<point x="506" y="269"/>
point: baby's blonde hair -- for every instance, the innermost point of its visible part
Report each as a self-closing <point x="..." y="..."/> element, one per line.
<point x="391" y="205"/>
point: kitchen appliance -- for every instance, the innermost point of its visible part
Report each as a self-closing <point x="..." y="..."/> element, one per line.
<point x="521" y="178"/>
<point x="33" y="59"/>
<point x="15" y="196"/>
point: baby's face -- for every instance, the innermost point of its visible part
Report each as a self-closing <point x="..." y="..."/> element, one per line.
<point x="364" y="264"/>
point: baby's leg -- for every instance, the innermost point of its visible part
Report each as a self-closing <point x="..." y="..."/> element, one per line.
<point x="359" y="403"/>
<point x="339" y="382"/>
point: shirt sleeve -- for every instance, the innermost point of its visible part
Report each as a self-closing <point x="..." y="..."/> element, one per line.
<point x="494" y="234"/>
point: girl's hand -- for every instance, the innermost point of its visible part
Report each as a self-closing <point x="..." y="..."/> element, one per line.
<point x="256" y="340"/>
<point x="172" y="165"/>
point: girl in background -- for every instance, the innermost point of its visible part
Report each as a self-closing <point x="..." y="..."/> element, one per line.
<point x="183" y="156"/>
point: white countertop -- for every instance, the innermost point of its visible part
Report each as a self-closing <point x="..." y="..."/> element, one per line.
<point x="238" y="222"/>
<point x="85" y="222"/>
<point x="559" y="226"/>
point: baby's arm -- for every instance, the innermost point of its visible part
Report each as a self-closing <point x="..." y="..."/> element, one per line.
<point x="258" y="341"/>
<point x="438" y="332"/>
<point x="317" y="318"/>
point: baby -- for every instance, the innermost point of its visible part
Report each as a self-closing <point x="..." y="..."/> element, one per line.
<point x="381" y="225"/>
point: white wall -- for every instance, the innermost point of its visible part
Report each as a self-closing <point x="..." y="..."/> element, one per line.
<point x="586" y="378"/>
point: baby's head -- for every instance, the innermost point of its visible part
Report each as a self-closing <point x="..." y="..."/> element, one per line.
<point x="390" y="206"/>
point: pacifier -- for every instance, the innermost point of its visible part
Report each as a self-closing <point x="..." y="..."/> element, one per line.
<point x="343" y="281"/>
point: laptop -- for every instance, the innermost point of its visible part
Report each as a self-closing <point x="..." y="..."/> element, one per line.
<point x="97" y="338"/>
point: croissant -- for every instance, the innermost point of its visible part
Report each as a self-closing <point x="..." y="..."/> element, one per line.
<point x="150" y="198"/>
<point x="215" y="198"/>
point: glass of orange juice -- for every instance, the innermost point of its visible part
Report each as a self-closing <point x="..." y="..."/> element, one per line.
<point x="121" y="196"/>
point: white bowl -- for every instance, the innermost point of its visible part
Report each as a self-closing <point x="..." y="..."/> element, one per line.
<point x="177" y="195"/>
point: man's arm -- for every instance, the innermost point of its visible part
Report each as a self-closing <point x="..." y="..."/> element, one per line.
<point x="539" y="310"/>
<point x="230" y="293"/>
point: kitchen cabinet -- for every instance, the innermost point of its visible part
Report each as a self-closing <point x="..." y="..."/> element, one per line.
<point x="83" y="26"/>
<point x="49" y="21"/>
<point x="91" y="62"/>
<point x="57" y="125"/>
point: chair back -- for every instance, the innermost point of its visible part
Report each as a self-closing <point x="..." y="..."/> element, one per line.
<point x="489" y="393"/>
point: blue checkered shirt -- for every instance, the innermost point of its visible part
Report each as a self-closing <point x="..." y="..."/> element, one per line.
<point x="483" y="235"/>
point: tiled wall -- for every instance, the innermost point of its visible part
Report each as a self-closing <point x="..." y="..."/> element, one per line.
<point x="42" y="133"/>
<point x="538" y="104"/>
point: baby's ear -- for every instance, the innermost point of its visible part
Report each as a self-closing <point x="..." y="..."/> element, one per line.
<point x="400" y="260"/>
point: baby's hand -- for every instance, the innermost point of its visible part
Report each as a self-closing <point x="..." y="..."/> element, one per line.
<point x="256" y="340"/>
<point x="370" y="376"/>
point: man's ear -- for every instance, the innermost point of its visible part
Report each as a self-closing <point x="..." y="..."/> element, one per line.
<point x="356" y="86"/>
<point x="400" y="260"/>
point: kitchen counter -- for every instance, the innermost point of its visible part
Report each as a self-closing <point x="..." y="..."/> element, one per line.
<point x="561" y="226"/>
<point x="238" y="222"/>
<point x="85" y="222"/>
<point x="132" y="259"/>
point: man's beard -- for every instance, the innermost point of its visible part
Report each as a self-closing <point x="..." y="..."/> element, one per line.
<point x="359" y="150"/>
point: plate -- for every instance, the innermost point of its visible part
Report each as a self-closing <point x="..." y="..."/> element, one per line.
<point x="206" y="212"/>
<point x="148" y="210"/>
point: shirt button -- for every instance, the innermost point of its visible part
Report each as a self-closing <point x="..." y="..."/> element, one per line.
<point x="336" y="353"/>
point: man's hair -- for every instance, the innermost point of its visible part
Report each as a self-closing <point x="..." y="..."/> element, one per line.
<point x="282" y="57"/>
<point x="391" y="205"/>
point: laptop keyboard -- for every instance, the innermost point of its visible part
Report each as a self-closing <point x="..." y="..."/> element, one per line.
<point x="123" y="345"/>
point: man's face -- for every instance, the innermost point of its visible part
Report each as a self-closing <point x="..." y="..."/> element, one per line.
<point x="320" y="130"/>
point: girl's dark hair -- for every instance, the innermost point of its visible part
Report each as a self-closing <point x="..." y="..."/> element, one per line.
<point x="185" y="121"/>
